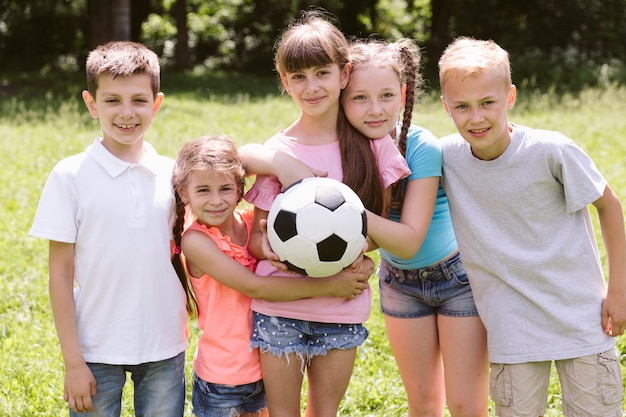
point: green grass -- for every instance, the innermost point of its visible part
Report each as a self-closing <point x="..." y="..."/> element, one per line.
<point x="44" y="120"/>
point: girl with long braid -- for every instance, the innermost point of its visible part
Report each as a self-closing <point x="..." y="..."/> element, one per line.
<point x="208" y="181"/>
<point x="437" y="338"/>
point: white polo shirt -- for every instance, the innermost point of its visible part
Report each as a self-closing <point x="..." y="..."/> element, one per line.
<point x="130" y="305"/>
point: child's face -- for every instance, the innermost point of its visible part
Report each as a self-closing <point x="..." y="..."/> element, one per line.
<point x="478" y="106"/>
<point x="213" y="197"/>
<point x="125" y="107"/>
<point x="372" y="100"/>
<point x="316" y="90"/>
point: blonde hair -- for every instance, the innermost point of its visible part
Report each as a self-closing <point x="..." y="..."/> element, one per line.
<point x="466" y="57"/>
<point x="205" y="153"/>
<point x="122" y="59"/>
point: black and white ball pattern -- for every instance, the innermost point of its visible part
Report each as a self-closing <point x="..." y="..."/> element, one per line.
<point x="317" y="226"/>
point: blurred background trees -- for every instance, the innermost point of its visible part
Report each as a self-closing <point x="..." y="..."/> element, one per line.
<point x="570" y="43"/>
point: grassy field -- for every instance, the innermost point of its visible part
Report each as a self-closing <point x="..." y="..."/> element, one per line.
<point x="43" y="120"/>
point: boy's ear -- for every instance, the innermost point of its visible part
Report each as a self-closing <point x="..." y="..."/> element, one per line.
<point x="445" y="105"/>
<point x="90" y="102"/>
<point x="511" y="97"/>
<point x="158" y="100"/>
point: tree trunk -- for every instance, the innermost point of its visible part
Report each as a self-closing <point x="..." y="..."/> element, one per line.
<point x="182" y="52"/>
<point x="121" y="10"/>
<point x="439" y="33"/>
<point x="99" y="16"/>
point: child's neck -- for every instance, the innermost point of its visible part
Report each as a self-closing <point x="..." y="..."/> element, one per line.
<point x="235" y="228"/>
<point x="313" y="131"/>
<point x="132" y="153"/>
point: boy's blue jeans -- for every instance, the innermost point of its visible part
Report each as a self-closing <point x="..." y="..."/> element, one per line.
<point x="159" y="388"/>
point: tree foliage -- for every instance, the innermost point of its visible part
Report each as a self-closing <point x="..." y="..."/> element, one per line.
<point x="575" y="43"/>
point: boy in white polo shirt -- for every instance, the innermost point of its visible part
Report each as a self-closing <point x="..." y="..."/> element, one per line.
<point x="117" y="302"/>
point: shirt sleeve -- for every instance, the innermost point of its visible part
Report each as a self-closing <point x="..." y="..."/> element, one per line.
<point x="56" y="215"/>
<point x="263" y="192"/>
<point x="424" y="155"/>
<point x="391" y="164"/>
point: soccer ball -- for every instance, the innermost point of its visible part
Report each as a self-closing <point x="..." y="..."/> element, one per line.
<point x="317" y="226"/>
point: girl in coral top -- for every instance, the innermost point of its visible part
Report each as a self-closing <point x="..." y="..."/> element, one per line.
<point x="209" y="183"/>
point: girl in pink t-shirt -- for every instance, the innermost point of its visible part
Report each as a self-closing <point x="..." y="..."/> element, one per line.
<point x="317" y="335"/>
<point x="209" y="182"/>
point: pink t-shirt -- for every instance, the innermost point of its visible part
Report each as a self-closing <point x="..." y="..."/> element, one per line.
<point x="223" y="355"/>
<point x="392" y="167"/>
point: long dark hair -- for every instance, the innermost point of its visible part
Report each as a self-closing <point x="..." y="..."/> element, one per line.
<point x="314" y="40"/>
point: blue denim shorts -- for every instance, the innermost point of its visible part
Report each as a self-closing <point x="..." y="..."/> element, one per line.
<point x="216" y="400"/>
<point x="282" y="336"/>
<point x="159" y="388"/>
<point x="437" y="289"/>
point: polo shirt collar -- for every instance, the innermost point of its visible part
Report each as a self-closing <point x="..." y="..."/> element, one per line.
<point x="115" y="166"/>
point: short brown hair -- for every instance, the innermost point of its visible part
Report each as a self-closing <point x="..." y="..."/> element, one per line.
<point x="122" y="59"/>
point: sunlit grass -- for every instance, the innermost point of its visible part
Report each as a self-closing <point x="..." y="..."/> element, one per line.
<point x="43" y="126"/>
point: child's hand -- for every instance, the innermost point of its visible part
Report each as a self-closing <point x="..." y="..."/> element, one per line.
<point x="362" y="262"/>
<point x="288" y="169"/>
<point x="80" y="387"/>
<point x="350" y="282"/>
<point x="268" y="253"/>
<point x="614" y="314"/>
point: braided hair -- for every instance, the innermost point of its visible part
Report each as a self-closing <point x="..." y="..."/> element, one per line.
<point x="213" y="153"/>
<point x="403" y="57"/>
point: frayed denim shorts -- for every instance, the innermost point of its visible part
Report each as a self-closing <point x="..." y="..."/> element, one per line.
<point x="216" y="400"/>
<point x="442" y="288"/>
<point x="282" y="336"/>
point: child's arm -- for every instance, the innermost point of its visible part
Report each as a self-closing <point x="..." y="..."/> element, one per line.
<point x="405" y="238"/>
<point x="611" y="219"/>
<point x="202" y="253"/>
<point x="80" y="385"/>
<point x="258" y="159"/>
<point x="258" y="233"/>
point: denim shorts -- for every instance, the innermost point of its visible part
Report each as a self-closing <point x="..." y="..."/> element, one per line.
<point x="437" y="289"/>
<point x="216" y="400"/>
<point x="282" y="336"/>
<point x="159" y="388"/>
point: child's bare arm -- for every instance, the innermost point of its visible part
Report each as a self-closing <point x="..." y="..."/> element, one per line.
<point x="405" y="238"/>
<point x="205" y="257"/>
<point x="611" y="219"/>
<point x="257" y="159"/>
<point x="80" y="385"/>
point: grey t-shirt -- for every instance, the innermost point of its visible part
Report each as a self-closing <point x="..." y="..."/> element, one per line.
<point x="526" y="239"/>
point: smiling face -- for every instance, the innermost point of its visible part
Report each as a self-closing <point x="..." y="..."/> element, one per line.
<point x="478" y="105"/>
<point x="372" y="100"/>
<point x="125" y="107"/>
<point x="316" y="90"/>
<point x="213" y="197"/>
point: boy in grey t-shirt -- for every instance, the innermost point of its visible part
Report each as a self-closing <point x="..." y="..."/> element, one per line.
<point x="519" y="202"/>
